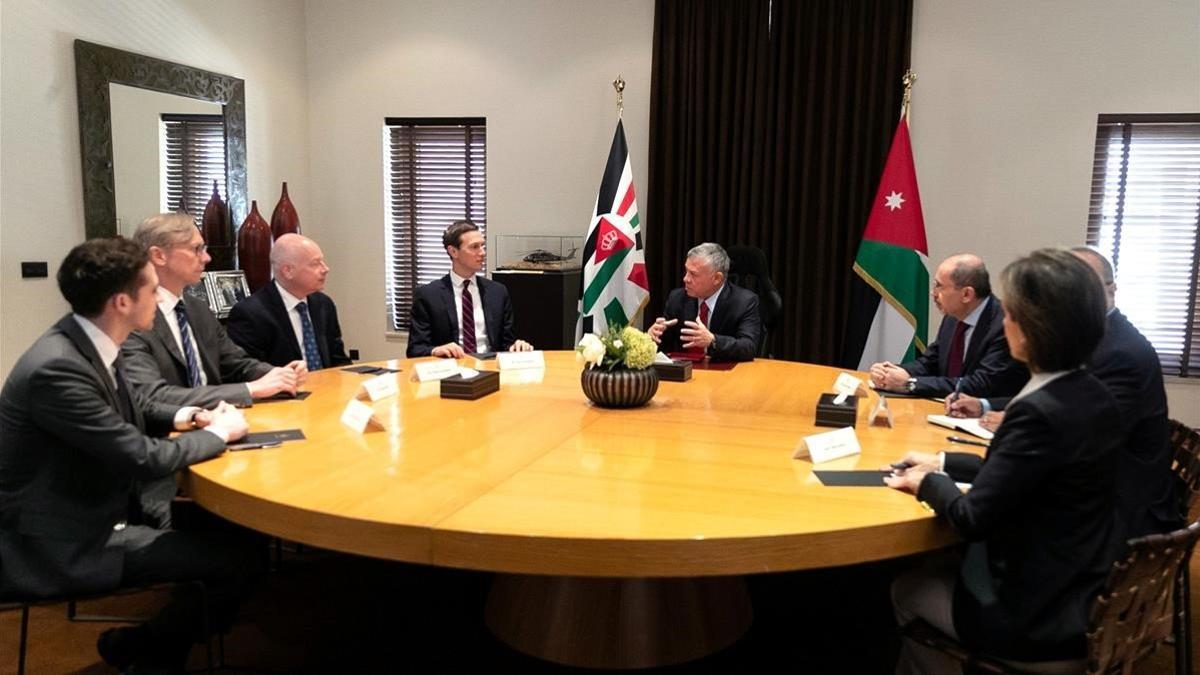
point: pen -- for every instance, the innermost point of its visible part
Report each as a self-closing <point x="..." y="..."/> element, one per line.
<point x="966" y="441"/>
<point x="256" y="446"/>
<point x="957" y="390"/>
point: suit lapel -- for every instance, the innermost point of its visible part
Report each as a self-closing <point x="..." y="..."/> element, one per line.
<point x="163" y="333"/>
<point x="279" y="314"/>
<point x="720" y="309"/>
<point x="490" y="323"/>
<point x="979" y="335"/>
<point x="447" y="291"/>
<point x="87" y="350"/>
<point x="201" y="335"/>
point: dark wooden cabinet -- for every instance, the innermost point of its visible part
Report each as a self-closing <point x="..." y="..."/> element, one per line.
<point x="545" y="305"/>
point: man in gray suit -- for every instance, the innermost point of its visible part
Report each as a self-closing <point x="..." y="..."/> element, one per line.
<point x="73" y="439"/>
<point x="186" y="358"/>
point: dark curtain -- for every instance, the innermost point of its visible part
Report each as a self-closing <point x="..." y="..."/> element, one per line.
<point x="769" y="124"/>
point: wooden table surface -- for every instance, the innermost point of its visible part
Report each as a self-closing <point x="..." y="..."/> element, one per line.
<point x="534" y="479"/>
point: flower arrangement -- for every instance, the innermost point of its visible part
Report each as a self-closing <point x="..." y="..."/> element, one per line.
<point x="620" y="347"/>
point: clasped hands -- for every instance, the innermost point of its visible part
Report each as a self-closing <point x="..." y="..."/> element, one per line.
<point x="693" y="334"/>
<point x="224" y="420"/>
<point x="888" y="376"/>
<point x="453" y="350"/>
<point x="286" y="379"/>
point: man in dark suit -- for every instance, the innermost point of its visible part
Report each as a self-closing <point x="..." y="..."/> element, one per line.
<point x="720" y="320"/>
<point x="186" y="358"/>
<point x="73" y="439"/>
<point x="1149" y="494"/>
<point x="970" y="354"/>
<point x="290" y="318"/>
<point x="441" y="309"/>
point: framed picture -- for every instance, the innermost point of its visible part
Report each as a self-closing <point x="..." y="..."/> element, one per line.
<point x="226" y="289"/>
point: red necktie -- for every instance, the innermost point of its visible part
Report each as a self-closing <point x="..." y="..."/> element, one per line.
<point x="955" y="363"/>
<point x="697" y="352"/>
<point x="468" y="319"/>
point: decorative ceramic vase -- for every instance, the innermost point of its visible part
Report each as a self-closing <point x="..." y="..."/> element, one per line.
<point x="619" y="388"/>
<point x="254" y="249"/>
<point x="215" y="228"/>
<point x="284" y="219"/>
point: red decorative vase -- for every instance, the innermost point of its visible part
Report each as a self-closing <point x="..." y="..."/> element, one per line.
<point x="215" y="228"/>
<point x="254" y="249"/>
<point x="284" y="219"/>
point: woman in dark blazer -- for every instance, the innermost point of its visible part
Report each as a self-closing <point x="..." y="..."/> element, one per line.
<point x="1039" y="516"/>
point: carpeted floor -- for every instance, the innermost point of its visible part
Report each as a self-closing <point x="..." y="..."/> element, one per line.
<point x="330" y="613"/>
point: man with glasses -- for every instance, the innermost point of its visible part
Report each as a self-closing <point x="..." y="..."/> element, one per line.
<point x="186" y="358"/>
<point x="970" y="355"/>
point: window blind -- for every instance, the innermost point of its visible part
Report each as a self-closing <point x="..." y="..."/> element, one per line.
<point x="1143" y="214"/>
<point x="193" y="156"/>
<point x="434" y="174"/>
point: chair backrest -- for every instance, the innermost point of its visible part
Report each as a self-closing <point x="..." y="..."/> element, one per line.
<point x="748" y="269"/>
<point x="1133" y="614"/>
<point x="1185" y="444"/>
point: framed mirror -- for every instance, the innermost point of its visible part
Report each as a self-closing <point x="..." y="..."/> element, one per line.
<point x="96" y="69"/>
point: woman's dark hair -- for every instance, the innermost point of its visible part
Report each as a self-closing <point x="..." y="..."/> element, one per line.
<point x="98" y="269"/>
<point x="1059" y="303"/>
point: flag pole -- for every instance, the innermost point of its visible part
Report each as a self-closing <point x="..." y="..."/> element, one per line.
<point x="909" y="79"/>
<point x="619" y="85"/>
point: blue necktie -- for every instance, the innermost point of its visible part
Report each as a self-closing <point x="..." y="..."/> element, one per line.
<point x="312" y="354"/>
<point x="189" y="354"/>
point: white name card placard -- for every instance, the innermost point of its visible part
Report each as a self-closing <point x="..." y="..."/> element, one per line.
<point x="521" y="360"/>
<point x="379" y="387"/>
<point x="359" y="416"/>
<point x="440" y="369"/>
<point x="828" y="445"/>
<point x="847" y="385"/>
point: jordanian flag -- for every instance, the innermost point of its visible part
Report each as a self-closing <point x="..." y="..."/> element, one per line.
<point x="614" y="288"/>
<point x="893" y="311"/>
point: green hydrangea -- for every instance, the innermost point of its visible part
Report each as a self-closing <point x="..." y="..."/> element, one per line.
<point x="639" y="348"/>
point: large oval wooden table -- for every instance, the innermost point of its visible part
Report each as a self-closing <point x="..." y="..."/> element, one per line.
<point x="635" y="525"/>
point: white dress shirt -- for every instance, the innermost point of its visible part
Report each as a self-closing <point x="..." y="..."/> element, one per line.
<point x="481" y="341"/>
<point x="289" y="303"/>
<point x="166" y="304"/>
<point x="711" y="301"/>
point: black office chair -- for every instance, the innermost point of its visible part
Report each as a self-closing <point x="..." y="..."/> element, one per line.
<point x="748" y="269"/>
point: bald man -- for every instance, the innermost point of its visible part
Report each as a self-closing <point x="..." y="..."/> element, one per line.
<point x="970" y="354"/>
<point x="290" y="318"/>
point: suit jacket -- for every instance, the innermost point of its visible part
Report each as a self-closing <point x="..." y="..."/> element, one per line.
<point x="435" y="319"/>
<point x="260" y="324"/>
<point x="1149" y="494"/>
<point x="988" y="369"/>
<point x="68" y="462"/>
<point x="154" y="363"/>
<point x="734" y="322"/>
<point x="1040" y="517"/>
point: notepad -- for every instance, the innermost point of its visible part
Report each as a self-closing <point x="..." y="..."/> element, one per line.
<point x="968" y="424"/>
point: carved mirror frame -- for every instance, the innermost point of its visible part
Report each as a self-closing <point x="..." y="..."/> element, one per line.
<point x="96" y="67"/>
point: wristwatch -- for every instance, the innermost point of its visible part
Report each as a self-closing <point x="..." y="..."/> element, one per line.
<point x="911" y="385"/>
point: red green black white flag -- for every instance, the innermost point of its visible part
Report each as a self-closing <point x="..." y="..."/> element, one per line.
<point x="615" y="287"/>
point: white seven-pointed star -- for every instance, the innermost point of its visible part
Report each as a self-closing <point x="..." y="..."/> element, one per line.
<point x="894" y="200"/>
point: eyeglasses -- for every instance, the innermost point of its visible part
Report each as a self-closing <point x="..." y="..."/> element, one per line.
<point x="198" y="250"/>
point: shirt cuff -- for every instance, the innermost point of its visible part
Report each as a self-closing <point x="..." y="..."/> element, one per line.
<point x="985" y="406"/>
<point x="941" y="462"/>
<point x="218" y="431"/>
<point x="183" y="417"/>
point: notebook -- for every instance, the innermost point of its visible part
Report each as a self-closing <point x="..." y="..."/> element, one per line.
<point x="968" y="424"/>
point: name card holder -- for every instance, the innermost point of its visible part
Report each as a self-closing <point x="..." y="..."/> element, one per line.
<point x="360" y="416"/>
<point x="481" y="384"/>
<point x="828" y="446"/>
<point x="378" y="387"/>
<point x="435" y="370"/>
<point x="831" y="413"/>
<point x="881" y="414"/>
<point x="521" y="360"/>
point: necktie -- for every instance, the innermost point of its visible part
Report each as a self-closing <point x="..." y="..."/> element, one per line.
<point x="955" y="363"/>
<point x="468" y="319"/>
<point x="697" y="352"/>
<point x="124" y="395"/>
<point x="312" y="354"/>
<point x="189" y="354"/>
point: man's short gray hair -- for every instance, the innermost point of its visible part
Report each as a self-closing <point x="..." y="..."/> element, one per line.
<point x="713" y="254"/>
<point x="164" y="230"/>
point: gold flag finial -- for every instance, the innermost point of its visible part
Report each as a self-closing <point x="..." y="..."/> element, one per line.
<point x="909" y="79"/>
<point x="619" y="85"/>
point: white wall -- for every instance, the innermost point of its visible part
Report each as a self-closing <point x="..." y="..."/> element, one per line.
<point x="41" y="194"/>
<point x="1004" y="115"/>
<point x="539" y="71"/>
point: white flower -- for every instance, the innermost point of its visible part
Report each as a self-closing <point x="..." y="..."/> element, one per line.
<point x="591" y="350"/>
<point x="618" y="344"/>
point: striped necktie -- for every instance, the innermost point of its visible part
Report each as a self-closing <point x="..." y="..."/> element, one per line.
<point x="189" y="353"/>
<point x="468" y="319"/>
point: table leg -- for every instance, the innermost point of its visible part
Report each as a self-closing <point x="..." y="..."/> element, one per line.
<point x="618" y="623"/>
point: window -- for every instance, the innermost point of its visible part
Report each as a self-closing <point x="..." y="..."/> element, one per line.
<point x="193" y="156"/>
<point x="434" y="174"/>
<point x="1145" y="205"/>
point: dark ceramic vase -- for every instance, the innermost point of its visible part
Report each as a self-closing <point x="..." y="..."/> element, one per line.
<point x="284" y="219"/>
<point x="215" y="228"/>
<point x="619" y="388"/>
<point x="254" y="249"/>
